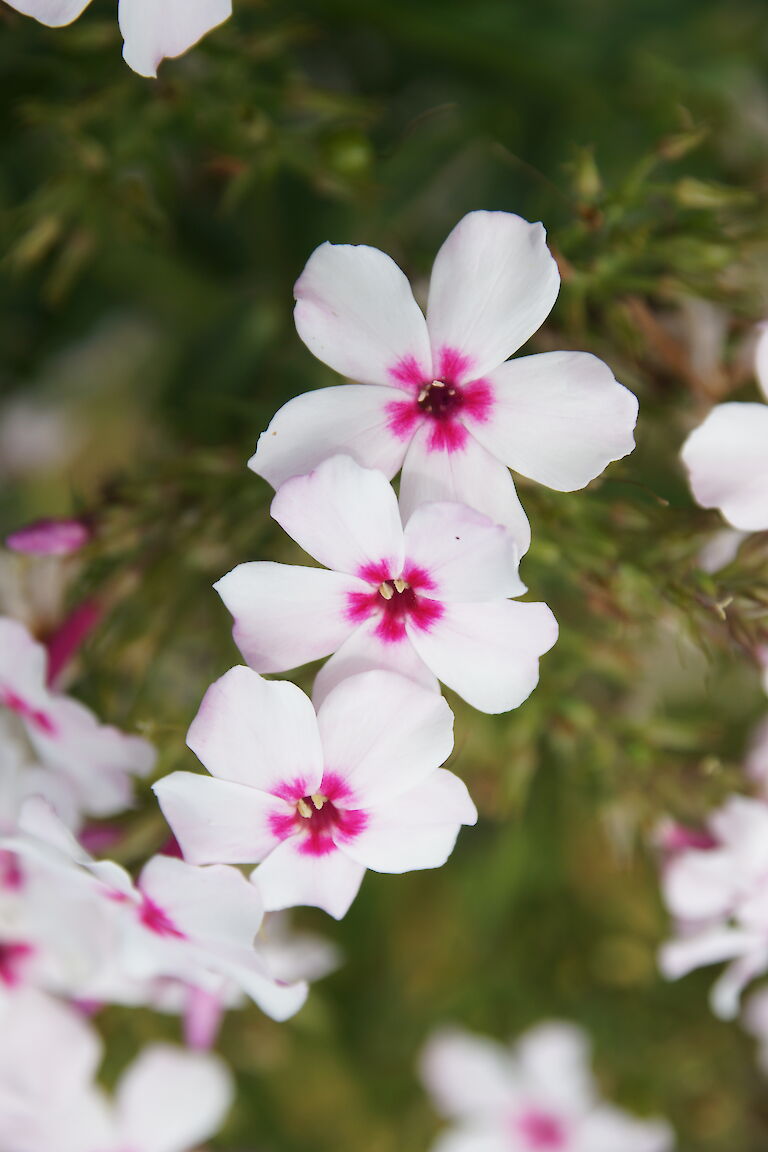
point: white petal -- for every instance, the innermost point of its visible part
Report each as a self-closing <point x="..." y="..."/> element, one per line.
<point x="54" y="13"/>
<point x="279" y="1001"/>
<point x="721" y="549"/>
<point x="289" y="877"/>
<point x="23" y="663"/>
<point x="286" y="615"/>
<point x="679" y="957"/>
<point x="468" y="556"/>
<point x="761" y="357"/>
<point x="258" y="732"/>
<point x="384" y="734"/>
<point x="355" y="311"/>
<point x="466" y="1075"/>
<point x="608" y="1130"/>
<point x="170" y="1100"/>
<point x="214" y="905"/>
<point x="416" y="829"/>
<point x="725" y="997"/>
<point x="216" y="821"/>
<point x="365" y="652"/>
<point x="493" y="285"/>
<point x="554" y="1060"/>
<point x="488" y="653"/>
<point x="343" y="515"/>
<point x="559" y="418"/>
<point x="727" y="462"/>
<point x="153" y="30"/>
<point x="700" y="884"/>
<point x="349" y="418"/>
<point x="469" y="475"/>
<point x="479" y="1138"/>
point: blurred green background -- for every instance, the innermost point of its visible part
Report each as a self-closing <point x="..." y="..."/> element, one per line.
<point x="150" y="234"/>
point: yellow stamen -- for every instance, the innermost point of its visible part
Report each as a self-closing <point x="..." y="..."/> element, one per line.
<point x="304" y="809"/>
<point x="318" y="800"/>
<point x="400" y="584"/>
<point x="386" y="590"/>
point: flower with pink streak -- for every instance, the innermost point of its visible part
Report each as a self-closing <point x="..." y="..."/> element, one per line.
<point x="439" y="396"/>
<point x="727" y="455"/>
<point x="152" y="29"/>
<point x="317" y="799"/>
<point x="167" y="1100"/>
<point x="96" y="760"/>
<point x="49" y="538"/>
<point x="427" y="600"/>
<point x="538" y="1096"/>
<point x="718" y="897"/>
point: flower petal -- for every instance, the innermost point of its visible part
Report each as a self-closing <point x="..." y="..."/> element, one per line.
<point x="701" y="884"/>
<point x="279" y="1001"/>
<point x="349" y="418"/>
<point x="54" y="13"/>
<point x="364" y="652"/>
<point x="489" y="652"/>
<point x="286" y="615"/>
<point x="467" y="556"/>
<point x="554" y="1061"/>
<point x="214" y="905"/>
<point x="262" y="733"/>
<point x="727" y="464"/>
<point x="355" y="311"/>
<point x="216" y="821"/>
<point x="607" y="1129"/>
<point x="469" y="475"/>
<point x="559" y="418"/>
<point x="680" y="956"/>
<point x="416" y="829"/>
<point x="383" y="734"/>
<point x="152" y="31"/>
<point x="467" y="1076"/>
<point x="288" y="878"/>
<point x="493" y="285"/>
<point x="343" y="515"/>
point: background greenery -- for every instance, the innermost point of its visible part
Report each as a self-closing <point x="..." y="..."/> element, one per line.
<point x="150" y="233"/>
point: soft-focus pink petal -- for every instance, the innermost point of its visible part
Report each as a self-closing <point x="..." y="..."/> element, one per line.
<point x="383" y="734"/>
<point x="54" y="13"/>
<point x="203" y="1013"/>
<point x="216" y="821"/>
<point x="355" y="311"/>
<point x="344" y="515"/>
<point x="467" y="1076"/>
<point x="727" y="462"/>
<point x="49" y="537"/>
<point x="262" y="733"/>
<point x="493" y="285"/>
<point x="469" y="475"/>
<point x="286" y="615"/>
<point x="155" y="29"/>
<point x="699" y="884"/>
<point x="350" y="418"/>
<point x="489" y="652"/>
<point x="364" y="652"/>
<point x="606" y="1129"/>
<point x="416" y="829"/>
<point x="289" y="877"/>
<point x="559" y="418"/>
<point x="467" y="556"/>
<point x="212" y="905"/>
<point x="554" y="1060"/>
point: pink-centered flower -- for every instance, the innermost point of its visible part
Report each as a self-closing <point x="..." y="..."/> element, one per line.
<point x="727" y="456"/>
<point x="427" y="599"/>
<point x="538" y="1096"/>
<point x="317" y="799"/>
<point x="152" y="29"/>
<point x="438" y="396"/>
<point x="718" y="896"/>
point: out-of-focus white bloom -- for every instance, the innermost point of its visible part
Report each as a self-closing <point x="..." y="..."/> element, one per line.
<point x="721" y="548"/>
<point x="538" y="1096"/>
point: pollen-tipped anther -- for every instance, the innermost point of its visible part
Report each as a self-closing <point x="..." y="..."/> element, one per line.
<point x="400" y="584"/>
<point x="318" y="800"/>
<point x="304" y="809"/>
<point x="386" y="590"/>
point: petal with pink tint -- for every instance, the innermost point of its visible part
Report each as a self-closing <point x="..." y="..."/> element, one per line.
<point x="416" y="829"/>
<point x="286" y="615"/>
<point x="701" y="883"/>
<point x="344" y="515"/>
<point x="289" y="877"/>
<point x="54" y="13"/>
<point x="383" y="734"/>
<point x="364" y="652"/>
<point x="559" y="418"/>
<point x="213" y="905"/>
<point x="466" y="555"/>
<point x="727" y="462"/>
<point x="203" y="1013"/>
<point x="350" y="418"/>
<point x="49" y="538"/>
<point x="218" y="822"/>
<point x="488" y="652"/>
<point x="470" y="475"/>
<point x="467" y="1076"/>
<point x="153" y="30"/>
<point x="23" y="665"/>
<point x="725" y="997"/>
<point x="482" y="1138"/>
<point x="712" y="945"/>
<point x="493" y="285"/>
<point x="355" y="311"/>
<point x="262" y="733"/>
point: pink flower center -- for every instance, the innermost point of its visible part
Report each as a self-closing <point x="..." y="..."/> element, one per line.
<point x="394" y="601"/>
<point x="323" y="818"/>
<point x="440" y="400"/>
<point x="11" y="875"/>
<point x="540" y="1130"/>
<point x="34" y="716"/>
<point x="14" y="955"/>
<point x="447" y="401"/>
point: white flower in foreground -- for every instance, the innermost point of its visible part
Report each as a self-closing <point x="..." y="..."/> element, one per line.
<point x="538" y="1096"/>
<point x="318" y="798"/>
<point x="427" y="600"/>
<point x="439" y="396"/>
<point x="719" y="899"/>
<point x="95" y="760"/>
<point x="727" y="456"/>
<point x="152" y="29"/>
<point x="168" y="1100"/>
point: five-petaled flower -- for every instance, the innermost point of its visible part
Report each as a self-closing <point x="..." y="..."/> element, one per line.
<point x="439" y="397"/>
<point x="318" y="798"/>
<point x="428" y="600"/>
